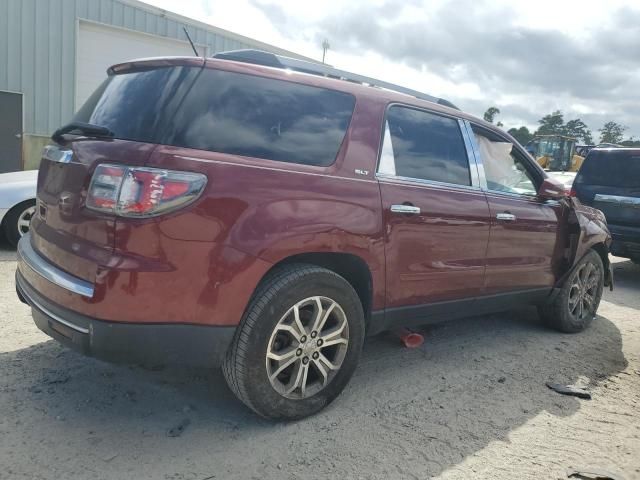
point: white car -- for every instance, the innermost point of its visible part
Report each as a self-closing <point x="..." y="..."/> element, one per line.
<point x="17" y="203"/>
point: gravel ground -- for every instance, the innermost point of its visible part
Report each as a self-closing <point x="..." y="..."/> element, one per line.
<point x="470" y="403"/>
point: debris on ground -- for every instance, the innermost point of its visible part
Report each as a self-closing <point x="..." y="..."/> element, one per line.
<point x="409" y="338"/>
<point x="179" y="429"/>
<point x="591" y="474"/>
<point x="56" y="378"/>
<point x="569" y="390"/>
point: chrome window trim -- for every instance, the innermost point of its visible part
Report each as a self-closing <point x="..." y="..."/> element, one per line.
<point x="40" y="266"/>
<point x="521" y="196"/>
<point x="473" y="164"/>
<point x="482" y="177"/>
<point x="418" y="182"/>
<point x="473" y="173"/>
<point x="618" y="199"/>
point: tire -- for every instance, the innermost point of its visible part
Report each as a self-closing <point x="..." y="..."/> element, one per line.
<point x="13" y="222"/>
<point x="575" y="306"/>
<point x="269" y="325"/>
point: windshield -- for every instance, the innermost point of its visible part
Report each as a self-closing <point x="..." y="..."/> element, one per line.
<point x="135" y="105"/>
<point x="616" y="168"/>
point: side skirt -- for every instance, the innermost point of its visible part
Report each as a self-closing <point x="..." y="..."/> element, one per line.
<point x="426" y="314"/>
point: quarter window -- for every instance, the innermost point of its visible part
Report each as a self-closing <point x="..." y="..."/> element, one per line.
<point x="424" y="146"/>
<point x="260" y="117"/>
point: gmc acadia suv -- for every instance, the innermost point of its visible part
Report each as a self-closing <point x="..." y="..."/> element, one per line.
<point x="266" y="214"/>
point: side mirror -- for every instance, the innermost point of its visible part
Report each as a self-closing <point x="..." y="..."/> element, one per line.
<point x="552" y="189"/>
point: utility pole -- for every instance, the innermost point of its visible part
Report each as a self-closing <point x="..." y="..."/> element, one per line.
<point x="325" y="47"/>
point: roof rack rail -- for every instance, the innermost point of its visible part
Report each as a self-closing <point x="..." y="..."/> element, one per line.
<point x="269" y="59"/>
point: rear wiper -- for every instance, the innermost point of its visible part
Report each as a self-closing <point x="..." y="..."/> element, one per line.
<point x="86" y="129"/>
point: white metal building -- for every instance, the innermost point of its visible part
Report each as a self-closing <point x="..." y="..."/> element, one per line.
<point x="54" y="53"/>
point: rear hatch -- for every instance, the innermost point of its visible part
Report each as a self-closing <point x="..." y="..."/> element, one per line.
<point x="609" y="180"/>
<point x="135" y="102"/>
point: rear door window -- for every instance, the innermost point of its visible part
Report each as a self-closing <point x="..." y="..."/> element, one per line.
<point x="614" y="168"/>
<point x="260" y="117"/>
<point x="424" y="146"/>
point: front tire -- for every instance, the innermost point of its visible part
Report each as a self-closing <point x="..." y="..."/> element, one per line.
<point x="575" y="306"/>
<point x="17" y="221"/>
<point x="298" y="343"/>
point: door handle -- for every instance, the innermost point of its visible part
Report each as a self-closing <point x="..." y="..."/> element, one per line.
<point x="405" y="209"/>
<point x="507" y="217"/>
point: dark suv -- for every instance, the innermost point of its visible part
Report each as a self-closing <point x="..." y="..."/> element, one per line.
<point x="610" y="181"/>
<point x="266" y="214"/>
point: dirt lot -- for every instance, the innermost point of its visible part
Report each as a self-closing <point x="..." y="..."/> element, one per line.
<point x="470" y="403"/>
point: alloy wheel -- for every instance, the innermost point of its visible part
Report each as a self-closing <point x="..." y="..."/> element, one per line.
<point x="307" y="347"/>
<point x="584" y="290"/>
<point x="24" y="220"/>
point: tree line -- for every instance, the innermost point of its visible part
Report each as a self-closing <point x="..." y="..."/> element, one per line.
<point x="554" y="124"/>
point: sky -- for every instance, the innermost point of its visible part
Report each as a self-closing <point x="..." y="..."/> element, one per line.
<point x="528" y="58"/>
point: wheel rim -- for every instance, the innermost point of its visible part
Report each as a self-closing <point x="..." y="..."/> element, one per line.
<point x="307" y="347"/>
<point x="24" y="220"/>
<point x="584" y="290"/>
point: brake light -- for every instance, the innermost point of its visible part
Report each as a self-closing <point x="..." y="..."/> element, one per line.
<point x="142" y="191"/>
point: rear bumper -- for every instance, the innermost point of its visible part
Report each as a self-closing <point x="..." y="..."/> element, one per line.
<point x="625" y="241"/>
<point x="145" y="344"/>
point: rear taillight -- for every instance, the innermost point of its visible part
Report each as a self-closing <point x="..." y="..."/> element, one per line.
<point x="142" y="192"/>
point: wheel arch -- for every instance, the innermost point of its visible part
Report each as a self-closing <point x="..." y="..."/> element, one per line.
<point x="6" y="231"/>
<point x="602" y="250"/>
<point x="13" y="209"/>
<point x="352" y="268"/>
<point x="588" y="231"/>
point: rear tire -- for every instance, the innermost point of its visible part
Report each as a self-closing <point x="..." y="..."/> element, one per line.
<point x="287" y="369"/>
<point x="575" y="306"/>
<point x="16" y="222"/>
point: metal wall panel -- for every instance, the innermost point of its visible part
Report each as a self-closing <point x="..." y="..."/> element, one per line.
<point x="38" y="48"/>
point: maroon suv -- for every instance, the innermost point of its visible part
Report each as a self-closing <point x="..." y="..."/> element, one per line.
<point x="266" y="214"/>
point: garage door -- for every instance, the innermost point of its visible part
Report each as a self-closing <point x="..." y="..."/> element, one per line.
<point x="100" y="46"/>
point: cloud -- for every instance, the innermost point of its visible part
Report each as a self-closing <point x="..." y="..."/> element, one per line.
<point x="528" y="69"/>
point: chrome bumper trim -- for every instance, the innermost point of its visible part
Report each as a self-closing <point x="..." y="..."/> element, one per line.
<point x="37" y="305"/>
<point x="28" y="256"/>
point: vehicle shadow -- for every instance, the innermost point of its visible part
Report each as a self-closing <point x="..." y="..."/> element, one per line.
<point x="7" y="252"/>
<point x="626" y="279"/>
<point x="405" y="413"/>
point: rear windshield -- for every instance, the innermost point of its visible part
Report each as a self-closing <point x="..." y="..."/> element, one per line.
<point x="134" y="105"/>
<point x="611" y="169"/>
<point x="223" y="112"/>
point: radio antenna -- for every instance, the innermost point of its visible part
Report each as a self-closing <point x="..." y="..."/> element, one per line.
<point x="190" y="41"/>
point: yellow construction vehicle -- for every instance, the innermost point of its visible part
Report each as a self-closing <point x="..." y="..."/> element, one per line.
<point x="556" y="153"/>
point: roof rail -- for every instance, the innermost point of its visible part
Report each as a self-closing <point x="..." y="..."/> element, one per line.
<point x="269" y="59"/>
